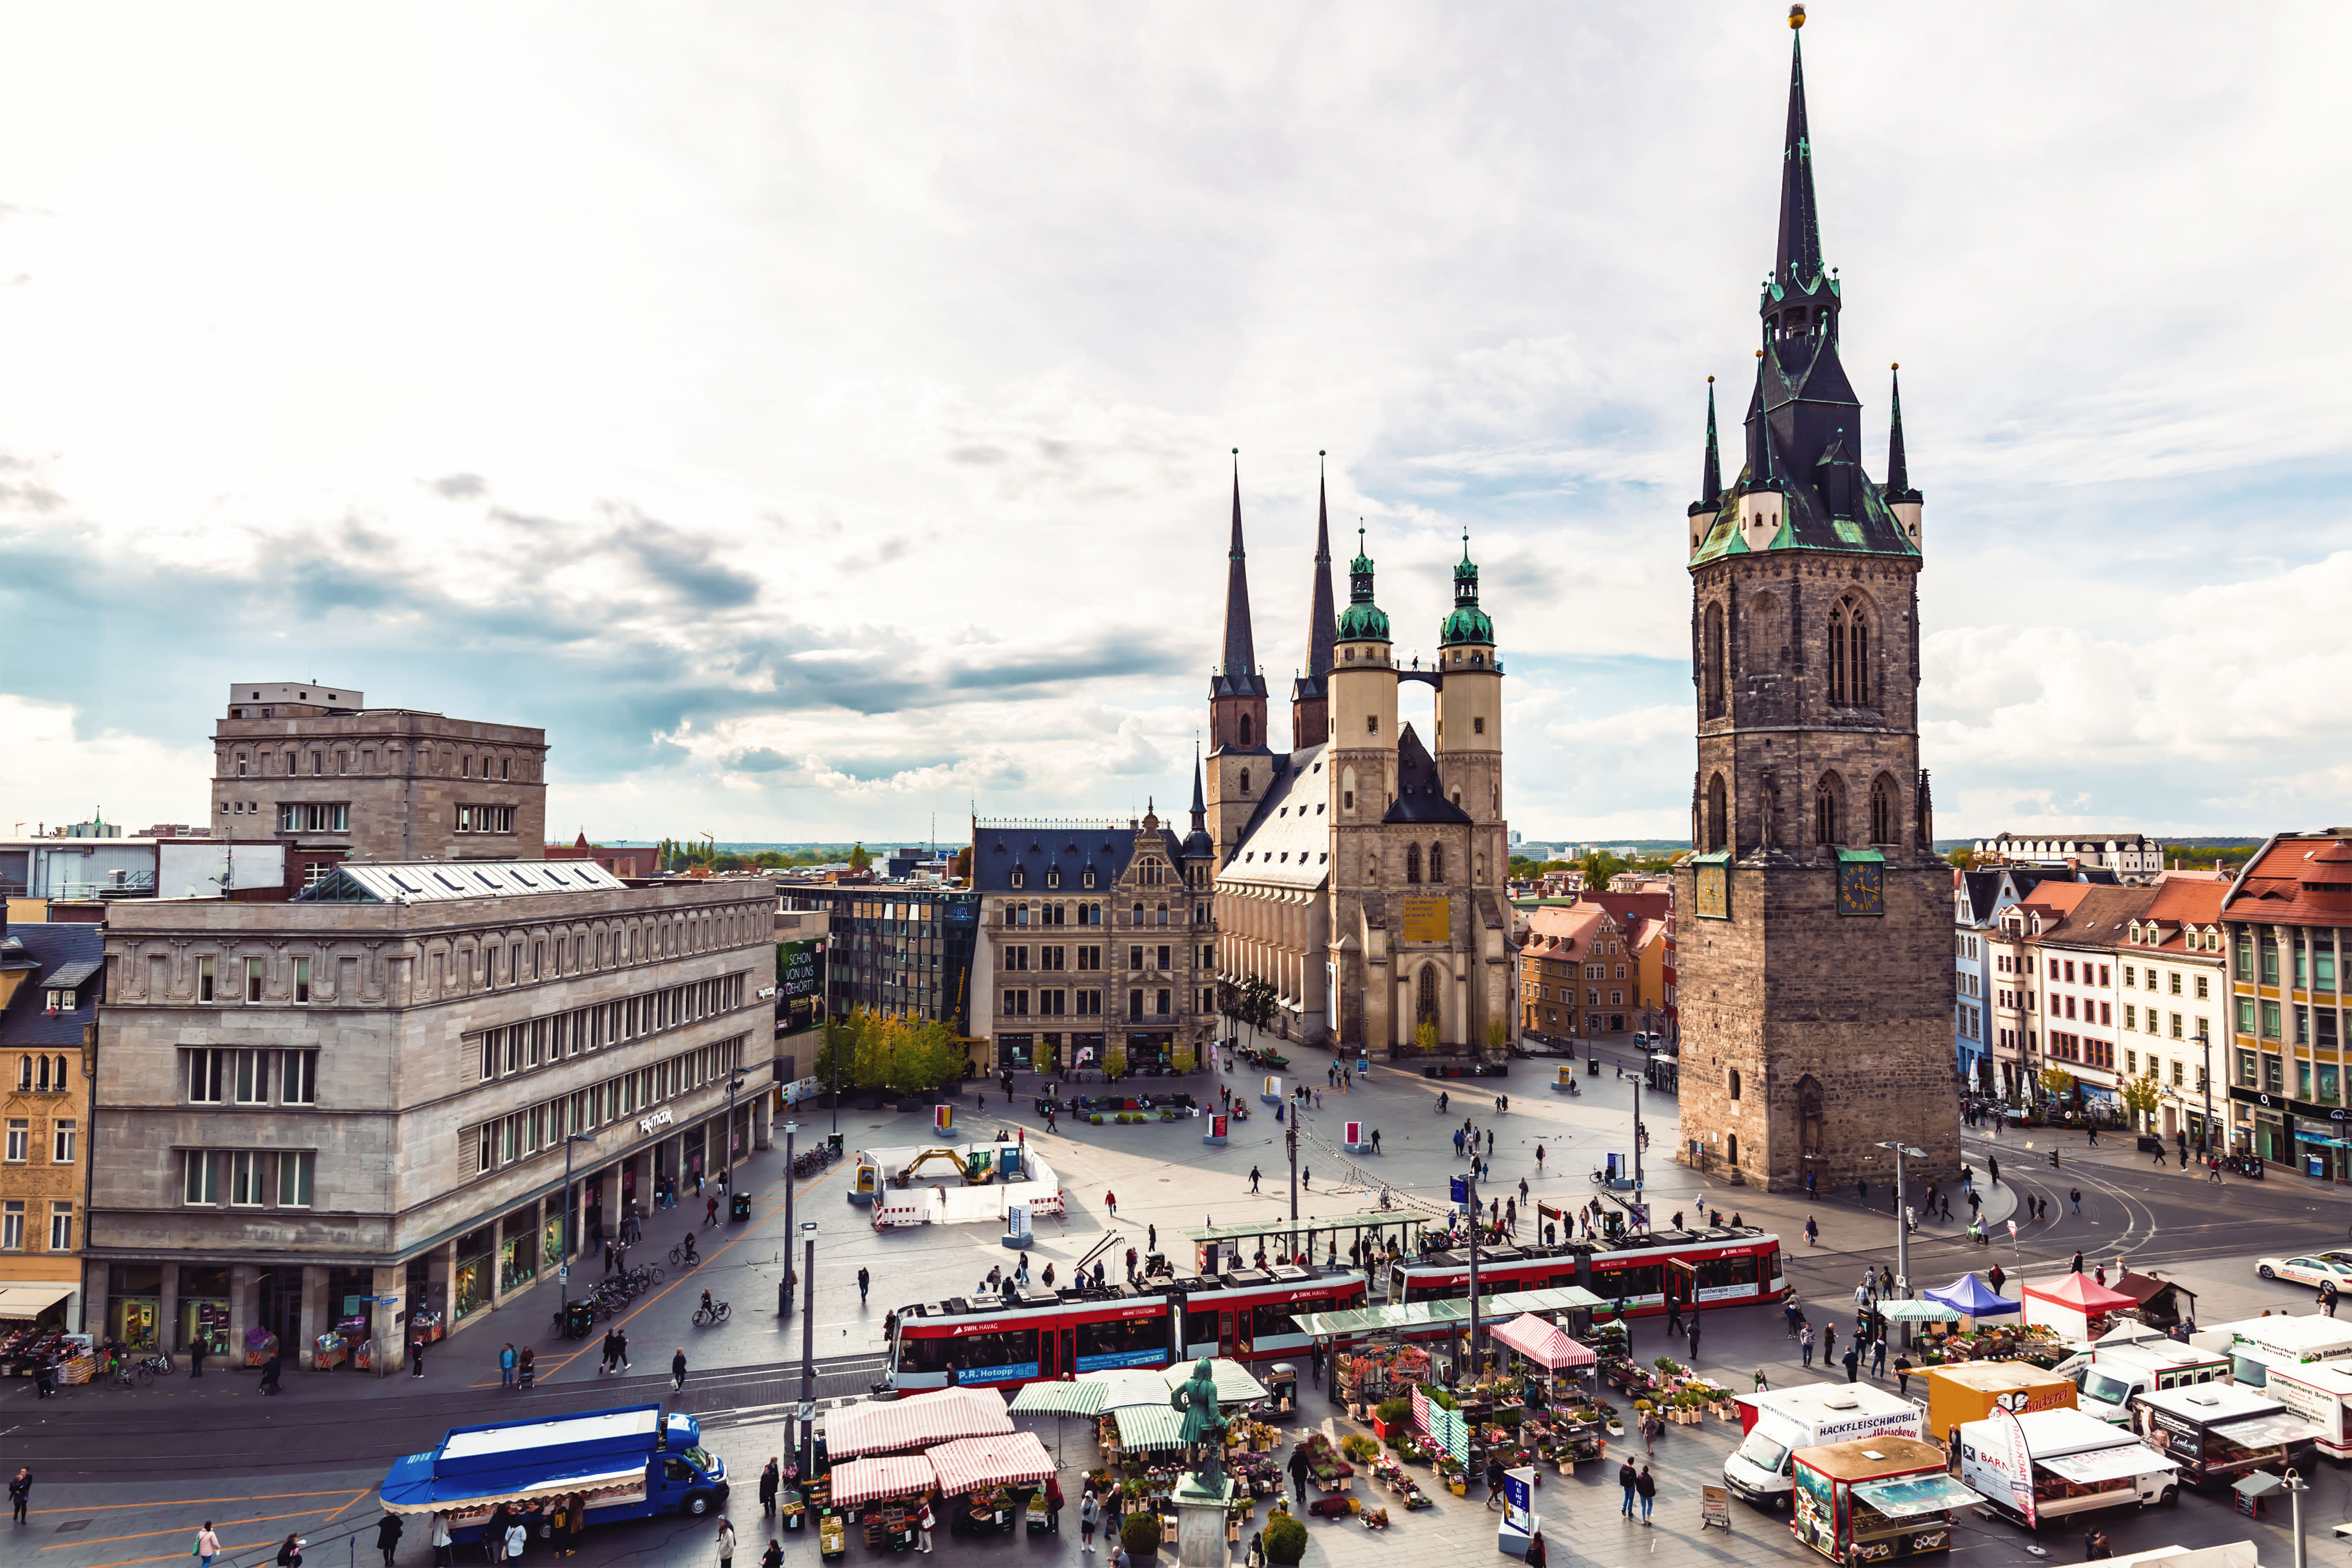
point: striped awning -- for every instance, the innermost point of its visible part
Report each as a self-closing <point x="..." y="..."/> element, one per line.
<point x="1542" y="1344"/>
<point x="1234" y="1384"/>
<point x="1144" y="1427"/>
<point x="1450" y="1310"/>
<point x="973" y="1464"/>
<point x="865" y="1480"/>
<point x="917" y="1421"/>
<point x="1092" y="1393"/>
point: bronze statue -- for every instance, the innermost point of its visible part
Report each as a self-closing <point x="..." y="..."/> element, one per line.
<point x="1205" y="1427"/>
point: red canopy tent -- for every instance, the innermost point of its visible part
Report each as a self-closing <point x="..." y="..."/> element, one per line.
<point x="2075" y="1306"/>
<point x="1543" y="1344"/>
<point x="975" y="1464"/>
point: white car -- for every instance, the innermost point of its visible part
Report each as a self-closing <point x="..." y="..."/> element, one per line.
<point x="2312" y="1272"/>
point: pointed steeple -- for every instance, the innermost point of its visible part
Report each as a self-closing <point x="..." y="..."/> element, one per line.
<point x="1199" y="799"/>
<point x="1321" y="614"/>
<point x="1799" y="260"/>
<point x="1710" y="477"/>
<point x="1898" y="467"/>
<point x="1239" y="673"/>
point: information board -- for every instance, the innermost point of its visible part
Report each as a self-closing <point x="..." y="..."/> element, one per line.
<point x="1426" y="920"/>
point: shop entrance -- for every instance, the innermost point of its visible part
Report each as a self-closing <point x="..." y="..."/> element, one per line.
<point x="278" y="1299"/>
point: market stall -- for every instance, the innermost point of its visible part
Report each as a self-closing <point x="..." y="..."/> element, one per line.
<point x="918" y="1421"/>
<point x="1876" y="1498"/>
<point x="979" y="1475"/>
<point x="1235" y="1383"/>
<point x="2077" y="1308"/>
<point x="863" y="1481"/>
<point x="1969" y="1296"/>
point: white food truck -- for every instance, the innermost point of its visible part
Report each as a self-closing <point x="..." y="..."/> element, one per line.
<point x="2111" y="1374"/>
<point x="2321" y="1393"/>
<point x="2046" y="1464"/>
<point x="1781" y="1421"/>
<point x="2254" y="1345"/>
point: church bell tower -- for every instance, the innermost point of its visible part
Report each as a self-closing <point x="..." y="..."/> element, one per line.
<point x="1241" y="763"/>
<point x="1813" y="916"/>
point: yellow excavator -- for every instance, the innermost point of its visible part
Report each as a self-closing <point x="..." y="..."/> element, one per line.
<point x="978" y="1168"/>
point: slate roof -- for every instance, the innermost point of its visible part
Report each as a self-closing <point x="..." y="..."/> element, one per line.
<point x="1421" y="795"/>
<point x="1106" y="846"/>
<point x="60" y="949"/>
<point x="1288" y="842"/>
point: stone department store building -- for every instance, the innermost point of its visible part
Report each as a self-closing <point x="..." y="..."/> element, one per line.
<point x="367" y="1091"/>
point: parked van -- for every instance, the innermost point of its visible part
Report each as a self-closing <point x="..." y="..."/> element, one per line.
<point x="2049" y="1464"/>
<point x="2321" y="1393"/>
<point x="2114" y="1373"/>
<point x="2222" y="1431"/>
<point x="1782" y="1420"/>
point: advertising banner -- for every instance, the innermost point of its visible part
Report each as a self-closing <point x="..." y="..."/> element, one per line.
<point x="2010" y="1458"/>
<point x="1519" y="1500"/>
<point x="1355" y="1133"/>
<point x="1217" y="1126"/>
<point x="943" y="1117"/>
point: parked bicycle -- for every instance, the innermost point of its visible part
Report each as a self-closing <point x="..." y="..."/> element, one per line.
<point x="716" y="1313"/>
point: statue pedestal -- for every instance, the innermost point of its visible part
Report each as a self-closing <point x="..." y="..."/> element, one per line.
<point x="1201" y="1523"/>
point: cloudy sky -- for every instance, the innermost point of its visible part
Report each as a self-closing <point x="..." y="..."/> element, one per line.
<point x="819" y="417"/>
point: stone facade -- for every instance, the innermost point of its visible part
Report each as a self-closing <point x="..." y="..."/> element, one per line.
<point x="333" y="782"/>
<point x="309" y="1092"/>
<point x="1093" y="935"/>
<point x="1814" y="970"/>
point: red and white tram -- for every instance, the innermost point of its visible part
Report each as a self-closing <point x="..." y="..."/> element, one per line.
<point x="1719" y="1266"/>
<point x="1247" y="1315"/>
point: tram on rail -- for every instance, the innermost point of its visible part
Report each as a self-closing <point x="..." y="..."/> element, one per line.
<point x="1249" y="1314"/>
<point x="1701" y="1268"/>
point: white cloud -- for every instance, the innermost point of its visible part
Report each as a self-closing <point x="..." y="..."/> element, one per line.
<point x="55" y="768"/>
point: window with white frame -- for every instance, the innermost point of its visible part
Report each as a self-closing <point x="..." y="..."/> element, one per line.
<point x="295" y="1171"/>
<point x="11" y="1225"/>
<point x="20" y="1140"/>
<point x="200" y="1178"/>
<point x="60" y="1225"/>
<point x="62" y="1142"/>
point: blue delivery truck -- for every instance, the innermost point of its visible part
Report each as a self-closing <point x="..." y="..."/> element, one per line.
<point x="630" y="1463"/>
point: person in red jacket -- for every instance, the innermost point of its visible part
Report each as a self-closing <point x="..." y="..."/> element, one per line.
<point x="1111" y="1202"/>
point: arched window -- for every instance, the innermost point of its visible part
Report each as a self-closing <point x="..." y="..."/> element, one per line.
<point x="1437" y="862"/>
<point x="1425" y="1008"/>
<point x="1346" y="789"/>
<point x="1712" y="653"/>
<point x="1413" y="863"/>
<point x="1735" y="1084"/>
<point x="1810" y="1127"/>
<point x="1882" y="810"/>
<point x="1837" y="654"/>
<point x="1718" y="815"/>
<point x="1244" y="781"/>
<point x="42" y="1075"/>
<point x="60" y="1079"/>
<point x="1731" y="1148"/>
<point x="23" y="1072"/>
<point x="1825" y="810"/>
<point x="1138" y="915"/>
<point x="1246" y="729"/>
<point x="1861" y="659"/>
<point x="1163" y="913"/>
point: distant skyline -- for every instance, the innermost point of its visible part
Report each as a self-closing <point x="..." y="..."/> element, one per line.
<point x="819" y="417"/>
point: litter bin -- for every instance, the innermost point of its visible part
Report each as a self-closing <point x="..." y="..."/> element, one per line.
<point x="740" y="1206"/>
<point x="1593" y="1066"/>
<point x="579" y="1319"/>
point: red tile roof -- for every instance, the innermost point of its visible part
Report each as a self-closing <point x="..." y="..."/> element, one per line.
<point x="2296" y="880"/>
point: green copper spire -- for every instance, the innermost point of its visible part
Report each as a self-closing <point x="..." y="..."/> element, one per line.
<point x="1468" y="623"/>
<point x="1363" y="620"/>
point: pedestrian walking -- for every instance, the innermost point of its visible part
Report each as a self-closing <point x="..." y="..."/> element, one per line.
<point x="2077" y="1266"/>
<point x="444" y="1549"/>
<point x="207" y="1545"/>
<point x="1651" y="1430"/>
<point x="1088" y="1510"/>
<point x="1852" y="1361"/>
<point x="1493" y="1483"/>
<point x="727" y="1536"/>
<point x="621" y="1347"/>
<point x="1110" y="1204"/>
<point x="770" y="1479"/>
<point x="1647" y="1486"/>
<point x="864" y="1281"/>
<point x="506" y="1366"/>
<point x="1862" y="1193"/>
<point x="710" y="1212"/>
<point x="1628" y="1478"/>
<point x="1674" y="1315"/>
<point x="1903" y="1375"/>
<point x="290" y="1550"/>
<point x="1878" y="1357"/>
<point x="1992" y="1168"/>
<point x="1813" y="1232"/>
<point x="1298" y="1471"/>
<point x="677" y="1369"/>
<point x="773" y="1557"/>
<point x="1829" y="1344"/>
<point x="387" y="1535"/>
<point x="417" y="1355"/>
<point x="1789" y="1314"/>
<point x="1536" y="1557"/>
<point x="197" y="1357"/>
<point x="1539" y="1159"/>
<point x="2074" y="1195"/>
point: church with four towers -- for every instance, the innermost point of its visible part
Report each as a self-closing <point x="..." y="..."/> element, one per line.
<point x="1362" y="872"/>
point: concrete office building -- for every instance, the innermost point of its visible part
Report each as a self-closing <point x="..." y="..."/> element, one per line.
<point x="320" y="772"/>
<point x="367" y="1091"/>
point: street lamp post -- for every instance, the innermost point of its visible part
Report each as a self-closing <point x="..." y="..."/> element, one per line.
<point x="1291" y="1140"/>
<point x="1902" y="1229"/>
<point x="785" y="1285"/>
<point x="807" y="1411"/>
<point x="564" y="1262"/>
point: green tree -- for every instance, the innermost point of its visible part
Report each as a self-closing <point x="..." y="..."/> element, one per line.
<point x="2057" y="1080"/>
<point x="1114" y="1062"/>
<point x="1259" y="1004"/>
<point x="1962" y="858"/>
<point x="2143" y="1096"/>
<point x="859" y="859"/>
<point x="1498" y="1036"/>
<point x="1425" y="1035"/>
<point x="1522" y="869"/>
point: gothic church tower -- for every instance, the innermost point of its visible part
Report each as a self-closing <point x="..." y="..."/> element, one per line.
<point x="1241" y="762"/>
<point x="1815" y="983"/>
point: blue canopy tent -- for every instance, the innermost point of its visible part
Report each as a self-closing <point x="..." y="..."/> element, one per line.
<point x="1972" y="1297"/>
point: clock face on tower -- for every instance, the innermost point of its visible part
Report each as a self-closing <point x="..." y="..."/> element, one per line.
<point x="1713" y="893"/>
<point x="1862" y="887"/>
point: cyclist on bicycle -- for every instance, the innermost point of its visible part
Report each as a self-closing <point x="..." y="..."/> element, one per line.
<point x="706" y="1303"/>
<point x="687" y="1246"/>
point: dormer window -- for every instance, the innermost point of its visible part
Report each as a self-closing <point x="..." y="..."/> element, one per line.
<point x="1019" y="878"/>
<point x="62" y="1000"/>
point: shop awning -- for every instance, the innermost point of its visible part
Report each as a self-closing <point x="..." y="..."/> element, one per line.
<point x="2108" y="1464"/>
<point x="1235" y="1386"/>
<point x="1903" y="1496"/>
<point x="1144" y="1427"/>
<point x="869" y="1480"/>
<point x="917" y="1421"/>
<point x="412" y="1487"/>
<point x="2267" y="1431"/>
<point x="1542" y="1344"/>
<point x="1921" y="1312"/>
<point x="31" y="1301"/>
<point x="971" y="1464"/>
<point x="1445" y="1313"/>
